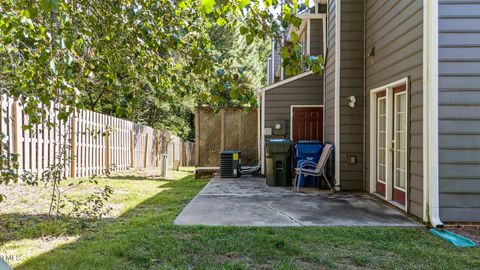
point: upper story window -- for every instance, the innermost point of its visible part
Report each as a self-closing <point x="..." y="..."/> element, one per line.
<point x="311" y="34"/>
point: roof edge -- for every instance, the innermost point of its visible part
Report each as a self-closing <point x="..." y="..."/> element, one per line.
<point x="280" y="83"/>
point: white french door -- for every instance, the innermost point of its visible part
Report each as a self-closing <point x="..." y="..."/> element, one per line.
<point x="390" y="122"/>
<point x="381" y="143"/>
<point x="399" y="144"/>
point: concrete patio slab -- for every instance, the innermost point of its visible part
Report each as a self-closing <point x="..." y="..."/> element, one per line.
<point x="248" y="201"/>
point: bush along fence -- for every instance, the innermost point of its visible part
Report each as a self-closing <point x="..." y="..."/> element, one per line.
<point x="88" y="144"/>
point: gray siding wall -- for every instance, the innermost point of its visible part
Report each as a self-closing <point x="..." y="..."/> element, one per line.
<point x="329" y="110"/>
<point x="316" y="37"/>
<point x="459" y="110"/>
<point x="351" y="84"/>
<point x="395" y="29"/>
<point x="305" y="91"/>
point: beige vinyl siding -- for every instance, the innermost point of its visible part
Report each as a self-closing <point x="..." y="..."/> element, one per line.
<point x="351" y="84"/>
<point x="459" y="111"/>
<point x="395" y="29"/>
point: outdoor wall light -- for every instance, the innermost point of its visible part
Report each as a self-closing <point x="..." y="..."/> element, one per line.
<point x="372" y="52"/>
<point x="278" y="126"/>
<point x="351" y="101"/>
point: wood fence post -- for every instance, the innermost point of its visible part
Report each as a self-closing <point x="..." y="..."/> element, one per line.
<point x="146" y="151"/>
<point x="222" y="129"/>
<point x="107" y="150"/>
<point x="157" y="155"/>
<point x="197" y="136"/>
<point x="73" y="145"/>
<point x="182" y="153"/>
<point x="132" y="149"/>
<point x="17" y="133"/>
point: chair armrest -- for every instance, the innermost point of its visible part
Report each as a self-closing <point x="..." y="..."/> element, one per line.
<point x="306" y="163"/>
<point x="310" y="166"/>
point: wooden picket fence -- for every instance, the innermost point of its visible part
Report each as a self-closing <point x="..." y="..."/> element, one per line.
<point x="88" y="144"/>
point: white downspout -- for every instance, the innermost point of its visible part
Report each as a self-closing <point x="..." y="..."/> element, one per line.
<point x="430" y="112"/>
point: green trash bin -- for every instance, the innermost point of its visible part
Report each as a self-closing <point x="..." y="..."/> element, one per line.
<point x="278" y="162"/>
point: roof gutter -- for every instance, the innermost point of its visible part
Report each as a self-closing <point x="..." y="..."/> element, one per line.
<point x="430" y="113"/>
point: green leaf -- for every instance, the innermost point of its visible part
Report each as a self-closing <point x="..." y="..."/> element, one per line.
<point x="316" y="68"/>
<point x="243" y="30"/>
<point x="249" y="38"/>
<point x="284" y="53"/>
<point x="235" y="94"/>
<point x="295" y="37"/>
<point x="203" y="97"/>
<point x="49" y="5"/>
<point x="207" y="5"/>
<point x="243" y="3"/>
<point x="221" y="21"/>
<point x="182" y="5"/>
<point x="62" y="116"/>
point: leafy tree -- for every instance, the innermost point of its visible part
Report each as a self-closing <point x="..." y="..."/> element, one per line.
<point x="76" y="53"/>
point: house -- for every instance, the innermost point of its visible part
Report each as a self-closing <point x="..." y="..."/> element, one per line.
<point x="286" y="99"/>
<point x="400" y="100"/>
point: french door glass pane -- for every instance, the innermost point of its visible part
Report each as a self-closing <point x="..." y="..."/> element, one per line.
<point x="401" y="176"/>
<point x="400" y="134"/>
<point x="381" y="139"/>
<point x="381" y="173"/>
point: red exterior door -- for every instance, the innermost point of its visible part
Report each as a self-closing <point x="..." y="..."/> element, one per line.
<point x="307" y="124"/>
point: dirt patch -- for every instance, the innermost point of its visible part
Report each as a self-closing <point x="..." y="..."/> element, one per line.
<point x="471" y="232"/>
<point x="231" y="257"/>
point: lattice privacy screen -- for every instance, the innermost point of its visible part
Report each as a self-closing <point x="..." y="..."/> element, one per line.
<point x="229" y="129"/>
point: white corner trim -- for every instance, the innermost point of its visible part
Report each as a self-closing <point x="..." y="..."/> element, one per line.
<point x="306" y="18"/>
<point x="291" y="79"/>
<point x="301" y="106"/>
<point x="430" y="113"/>
<point x="337" y="92"/>
<point x="312" y="16"/>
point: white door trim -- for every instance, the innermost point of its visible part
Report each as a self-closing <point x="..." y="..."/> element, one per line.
<point x="373" y="139"/>
<point x="304" y="106"/>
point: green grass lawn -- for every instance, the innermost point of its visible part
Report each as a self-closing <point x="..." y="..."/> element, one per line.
<point x="139" y="234"/>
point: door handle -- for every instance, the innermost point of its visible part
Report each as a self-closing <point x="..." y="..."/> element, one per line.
<point x="393" y="146"/>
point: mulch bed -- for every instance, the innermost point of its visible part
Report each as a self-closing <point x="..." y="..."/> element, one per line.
<point x="471" y="232"/>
